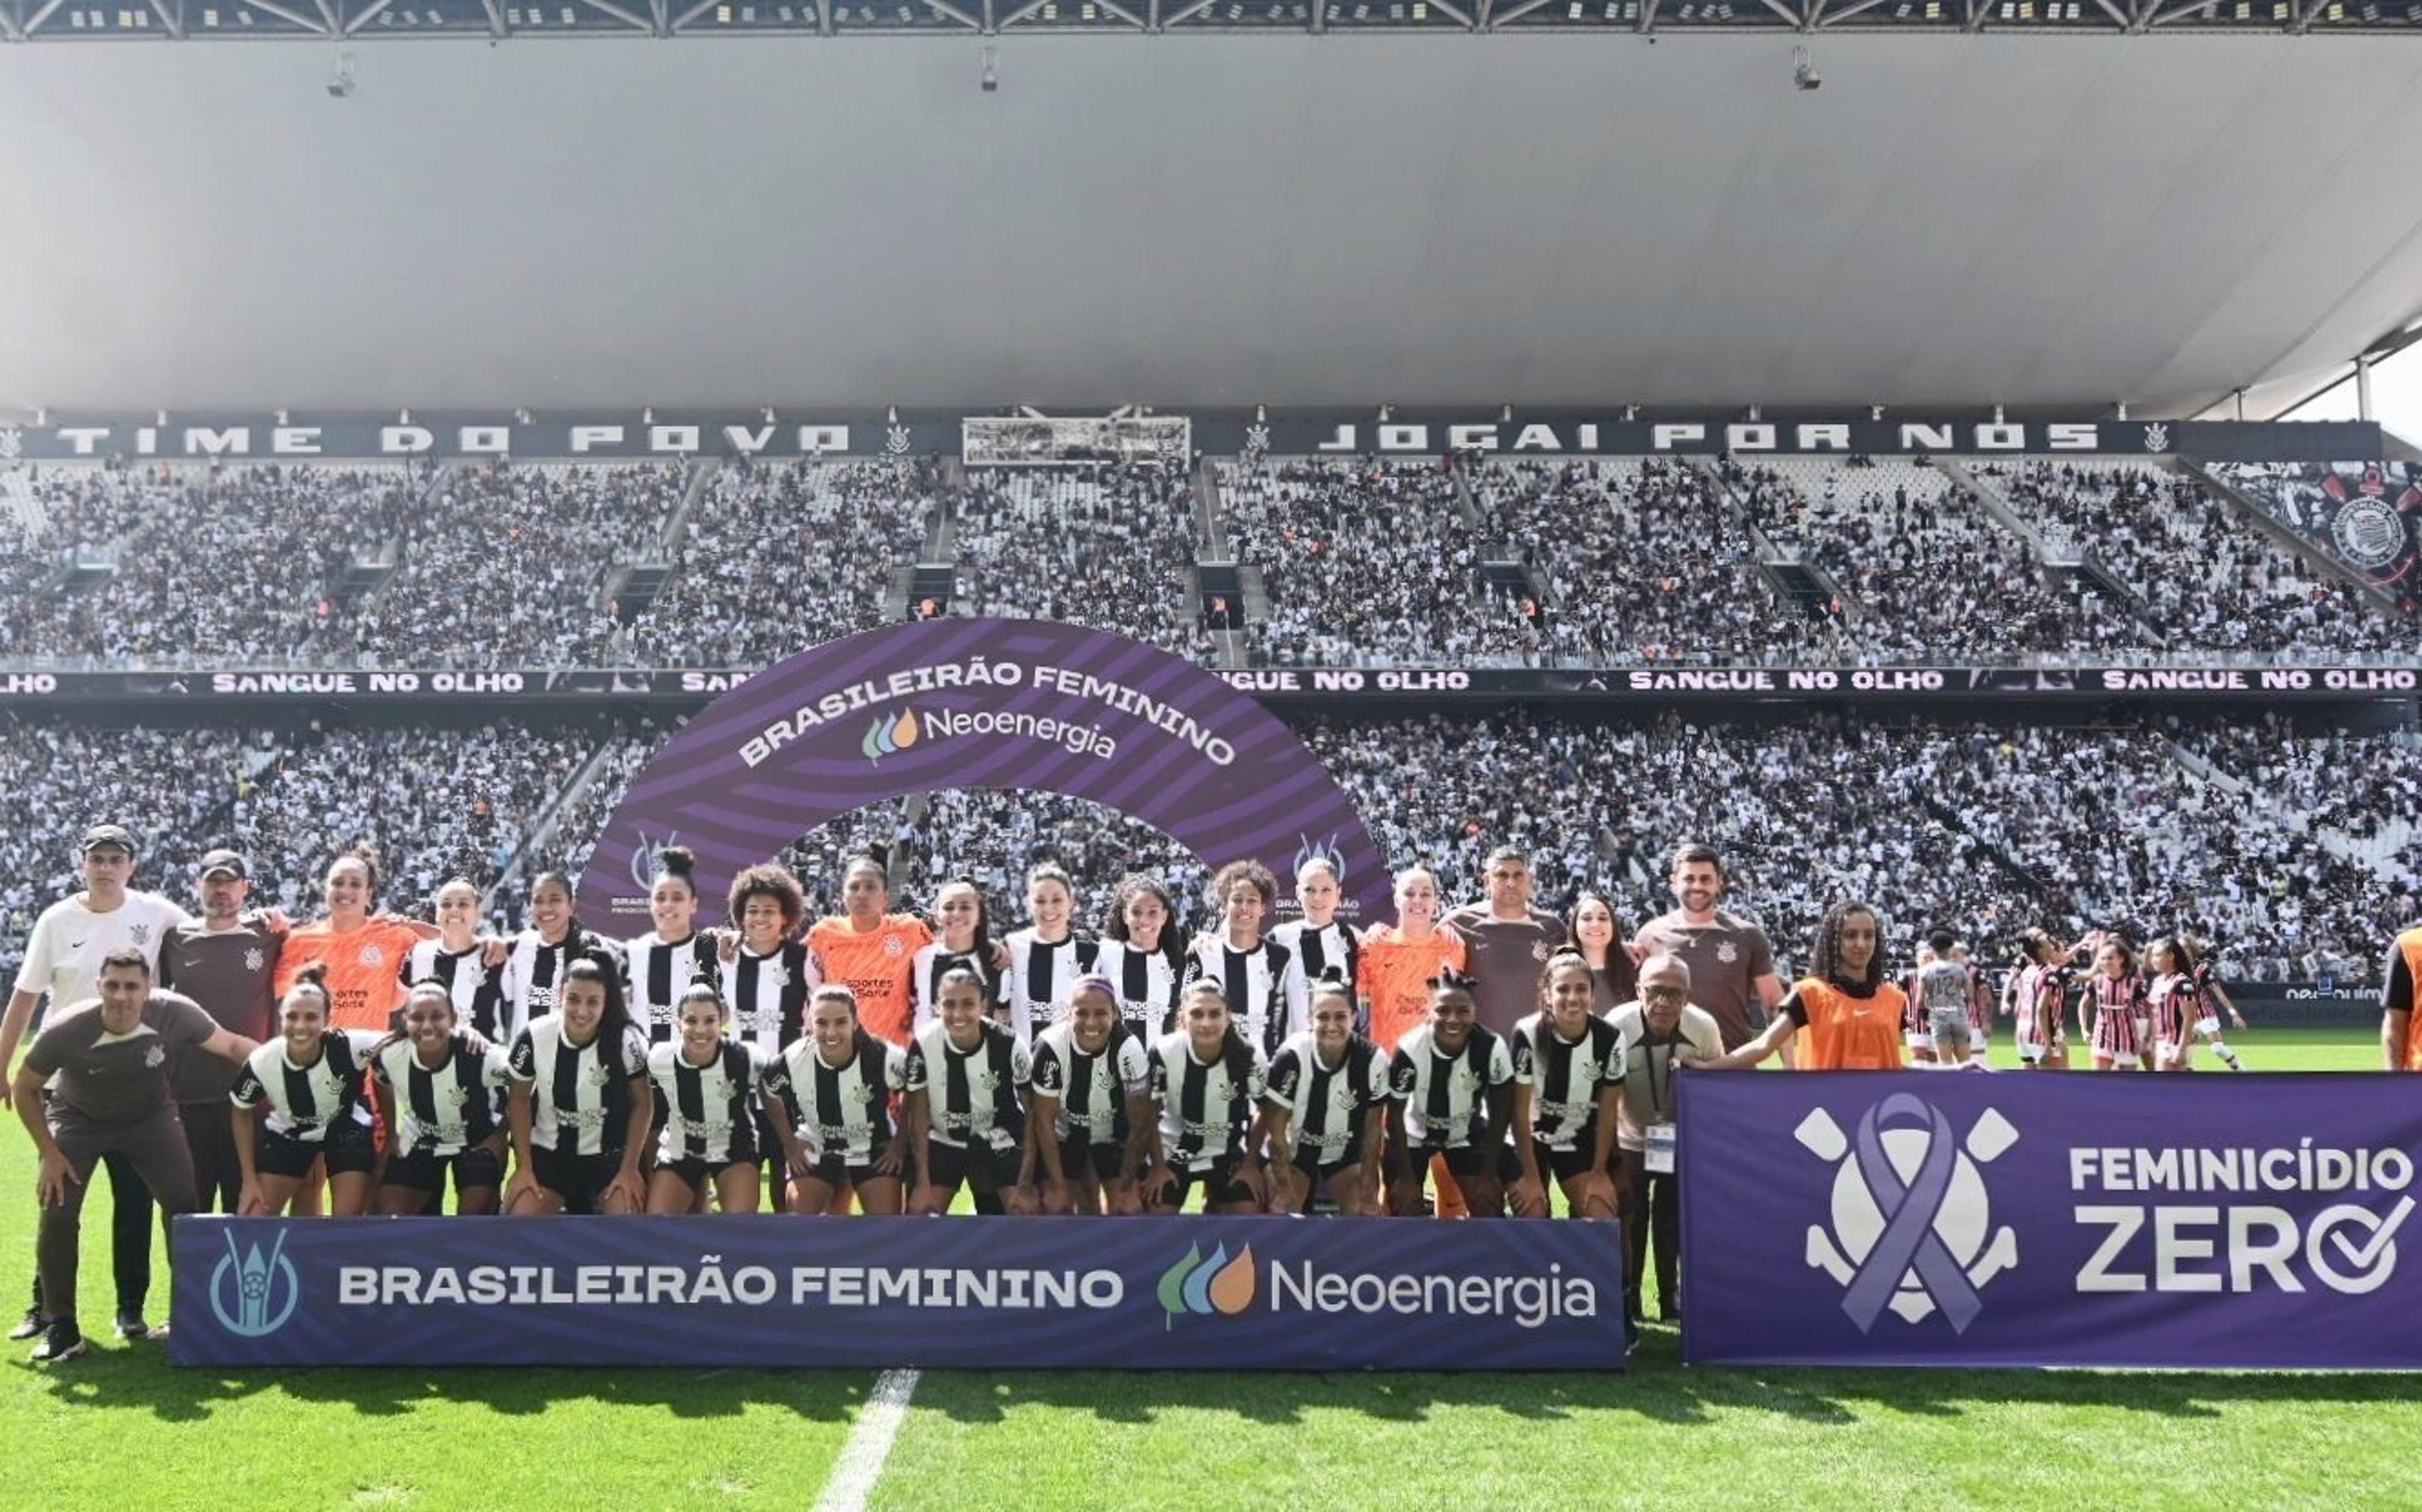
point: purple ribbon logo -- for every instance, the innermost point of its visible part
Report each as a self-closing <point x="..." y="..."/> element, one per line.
<point x="1911" y="1228"/>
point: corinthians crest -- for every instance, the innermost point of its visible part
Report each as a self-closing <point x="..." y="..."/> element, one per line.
<point x="1911" y="1228"/>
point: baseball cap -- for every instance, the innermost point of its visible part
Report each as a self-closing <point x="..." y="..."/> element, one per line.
<point x="101" y="834"/>
<point x="225" y="861"/>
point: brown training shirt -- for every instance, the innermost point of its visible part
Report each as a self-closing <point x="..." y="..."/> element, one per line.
<point x="1506" y="956"/>
<point x="122" y="1079"/>
<point x="227" y="973"/>
<point x="1725" y="957"/>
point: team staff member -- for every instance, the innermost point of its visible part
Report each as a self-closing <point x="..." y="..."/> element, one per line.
<point x="437" y="1090"/>
<point x="111" y="1093"/>
<point x="63" y="959"/>
<point x="1853" y="1016"/>
<point x="309" y="1079"/>
<point x="1454" y="1082"/>
<point x="1731" y="961"/>
<point x="1327" y="1108"/>
<point x="2400" y="1038"/>
<point x="1208" y="1080"/>
<point x="1567" y="1082"/>
<point x="578" y="1137"/>
<point x="1597" y="933"/>
<point x="967" y="1080"/>
<point x="872" y="951"/>
<point x="835" y="1088"/>
<point x="225" y="963"/>
<point x="1663" y="1025"/>
<point x="1507" y="942"/>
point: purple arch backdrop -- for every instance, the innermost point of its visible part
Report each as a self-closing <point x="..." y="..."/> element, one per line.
<point x="978" y="703"/>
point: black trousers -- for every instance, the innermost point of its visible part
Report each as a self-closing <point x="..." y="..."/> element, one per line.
<point x="1652" y="1206"/>
<point x="218" y="1177"/>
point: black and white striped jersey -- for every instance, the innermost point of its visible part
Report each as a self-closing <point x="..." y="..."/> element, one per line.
<point x="307" y="1102"/>
<point x="769" y="995"/>
<point x="1261" y="985"/>
<point x="1443" y="1094"/>
<point x="1317" y="950"/>
<point x="478" y="993"/>
<point x="444" y="1110"/>
<point x="1205" y="1108"/>
<point x="1040" y="973"/>
<point x="1325" y="1106"/>
<point x="1092" y="1091"/>
<point x="1148" y="984"/>
<point x="580" y="1094"/>
<point x="838" y="1111"/>
<point x="532" y="969"/>
<point x="973" y="1096"/>
<point x="1564" y="1076"/>
<point x="932" y="963"/>
<point x="708" y="1110"/>
<point x="659" y="969"/>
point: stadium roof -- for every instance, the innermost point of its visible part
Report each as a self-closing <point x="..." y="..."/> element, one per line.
<point x="1209" y="219"/>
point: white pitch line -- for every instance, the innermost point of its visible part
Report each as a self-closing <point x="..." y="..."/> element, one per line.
<point x="870" y="1444"/>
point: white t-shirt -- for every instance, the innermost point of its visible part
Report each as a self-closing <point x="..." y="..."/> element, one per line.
<point x="63" y="954"/>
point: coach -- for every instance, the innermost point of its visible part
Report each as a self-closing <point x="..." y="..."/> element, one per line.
<point x="113" y="1097"/>
<point x="225" y="963"/>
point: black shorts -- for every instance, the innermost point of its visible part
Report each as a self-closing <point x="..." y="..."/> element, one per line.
<point x="837" y="1171"/>
<point x="1307" y="1159"/>
<point x="580" y="1180"/>
<point x="1078" y="1154"/>
<point x="284" y="1155"/>
<point x="695" y="1173"/>
<point x="1218" y="1180"/>
<point x="981" y="1168"/>
<point x="1413" y="1162"/>
<point x="423" y="1172"/>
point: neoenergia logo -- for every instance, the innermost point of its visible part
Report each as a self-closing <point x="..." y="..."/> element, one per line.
<point x="1203" y="1288"/>
<point x="251" y="1295"/>
<point x="891" y="733"/>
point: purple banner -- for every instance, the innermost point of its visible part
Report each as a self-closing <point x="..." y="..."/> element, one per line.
<point x="2040" y="1219"/>
<point x="980" y="703"/>
<point x="990" y="1293"/>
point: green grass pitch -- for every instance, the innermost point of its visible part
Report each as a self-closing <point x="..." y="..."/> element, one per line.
<point x="120" y="1430"/>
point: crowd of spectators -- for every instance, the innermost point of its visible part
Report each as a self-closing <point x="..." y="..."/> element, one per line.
<point x="780" y="556"/>
<point x="1364" y="562"/>
<point x="507" y="566"/>
<point x="1646" y="564"/>
<point x="1928" y="576"/>
<point x="173" y="789"/>
<point x="2206" y="581"/>
<point x="1985" y="829"/>
<point x="1111" y="549"/>
<point x="2364" y="789"/>
<point x="437" y="804"/>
